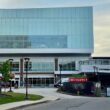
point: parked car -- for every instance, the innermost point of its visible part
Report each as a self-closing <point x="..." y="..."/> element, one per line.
<point x="5" y="84"/>
<point x="58" y="83"/>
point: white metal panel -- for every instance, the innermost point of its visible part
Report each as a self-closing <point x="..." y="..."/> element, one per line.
<point x="39" y="75"/>
<point x="90" y="68"/>
<point x="40" y="51"/>
<point x="66" y="72"/>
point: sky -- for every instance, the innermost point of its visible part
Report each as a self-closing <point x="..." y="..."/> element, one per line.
<point x="101" y="9"/>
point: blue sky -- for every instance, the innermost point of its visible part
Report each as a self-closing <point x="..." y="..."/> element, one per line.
<point x="101" y="17"/>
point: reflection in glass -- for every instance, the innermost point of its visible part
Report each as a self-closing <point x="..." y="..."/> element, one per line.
<point x="35" y="41"/>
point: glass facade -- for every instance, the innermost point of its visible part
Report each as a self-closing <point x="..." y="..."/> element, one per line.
<point x="42" y="82"/>
<point x="68" y="67"/>
<point x="40" y="67"/>
<point x="33" y="41"/>
<point x="70" y="27"/>
<point x="42" y="32"/>
<point x="15" y="66"/>
<point x="96" y="62"/>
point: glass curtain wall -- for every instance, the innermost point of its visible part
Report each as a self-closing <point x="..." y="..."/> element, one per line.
<point x="68" y="67"/>
<point x="69" y="27"/>
<point x="42" y="82"/>
<point x="40" y="67"/>
<point x="15" y="66"/>
<point x="33" y="41"/>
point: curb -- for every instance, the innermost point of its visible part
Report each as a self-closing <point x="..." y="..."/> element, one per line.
<point x="34" y="103"/>
<point x="26" y="105"/>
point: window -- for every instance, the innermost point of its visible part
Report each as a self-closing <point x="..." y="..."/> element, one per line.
<point x="15" y="66"/>
<point x="35" y="41"/>
<point x="68" y="67"/>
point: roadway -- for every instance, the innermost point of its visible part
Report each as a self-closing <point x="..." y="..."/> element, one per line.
<point x="73" y="104"/>
<point x="66" y="102"/>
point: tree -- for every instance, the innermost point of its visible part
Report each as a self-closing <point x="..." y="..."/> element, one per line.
<point x="5" y="71"/>
<point x="0" y="85"/>
<point x="78" y="76"/>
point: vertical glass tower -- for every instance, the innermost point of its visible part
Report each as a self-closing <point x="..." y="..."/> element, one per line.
<point x="58" y="30"/>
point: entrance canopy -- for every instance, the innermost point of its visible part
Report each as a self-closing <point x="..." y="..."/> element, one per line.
<point x="66" y="72"/>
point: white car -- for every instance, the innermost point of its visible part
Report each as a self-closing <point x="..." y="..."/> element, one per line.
<point x="60" y="82"/>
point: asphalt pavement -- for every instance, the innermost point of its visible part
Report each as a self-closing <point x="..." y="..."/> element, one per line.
<point x="73" y="104"/>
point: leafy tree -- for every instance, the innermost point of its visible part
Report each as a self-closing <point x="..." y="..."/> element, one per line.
<point x="5" y="71"/>
<point x="0" y="86"/>
<point x="78" y="76"/>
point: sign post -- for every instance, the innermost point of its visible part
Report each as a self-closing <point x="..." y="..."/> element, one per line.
<point x="98" y="89"/>
<point x="108" y="92"/>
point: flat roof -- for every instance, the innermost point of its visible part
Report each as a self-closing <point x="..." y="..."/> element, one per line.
<point x="101" y="57"/>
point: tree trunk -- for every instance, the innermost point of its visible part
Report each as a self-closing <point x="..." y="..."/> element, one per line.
<point x="4" y="86"/>
<point x="0" y="88"/>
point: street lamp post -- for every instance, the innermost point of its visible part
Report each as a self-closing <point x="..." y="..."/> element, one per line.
<point x="94" y="67"/>
<point x="96" y="72"/>
<point x="0" y="83"/>
<point x="60" y="65"/>
<point x="10" y="60"/>
<point x="98" y="79"/>
<point x="98" y="84"/>
<point x="26" y="79"/>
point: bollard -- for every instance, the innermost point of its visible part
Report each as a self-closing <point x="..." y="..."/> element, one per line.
<point x="78" y="93"/>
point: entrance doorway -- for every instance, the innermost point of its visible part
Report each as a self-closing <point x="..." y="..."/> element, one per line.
<point x="40" y="82"/>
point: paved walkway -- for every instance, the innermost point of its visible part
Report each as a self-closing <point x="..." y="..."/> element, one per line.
<point x="49" y="94"/>
<point x="11" y="106"/>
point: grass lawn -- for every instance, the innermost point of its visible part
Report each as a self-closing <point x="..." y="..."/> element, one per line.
<point x="9" y="97"/>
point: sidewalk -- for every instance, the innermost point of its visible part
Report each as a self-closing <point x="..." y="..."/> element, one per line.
<point x="14" y="105"/>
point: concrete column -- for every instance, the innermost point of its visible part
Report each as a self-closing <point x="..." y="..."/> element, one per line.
<point x="21" y="72"/>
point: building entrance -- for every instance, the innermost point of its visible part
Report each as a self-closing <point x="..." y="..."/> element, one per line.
<point x="40" y="82"/>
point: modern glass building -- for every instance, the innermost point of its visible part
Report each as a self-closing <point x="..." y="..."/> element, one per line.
<point x="49" y="37"/>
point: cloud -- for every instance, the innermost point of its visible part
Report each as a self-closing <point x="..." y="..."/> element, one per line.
<point x="49" y="3"/>
<point x="102" y="35"/>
